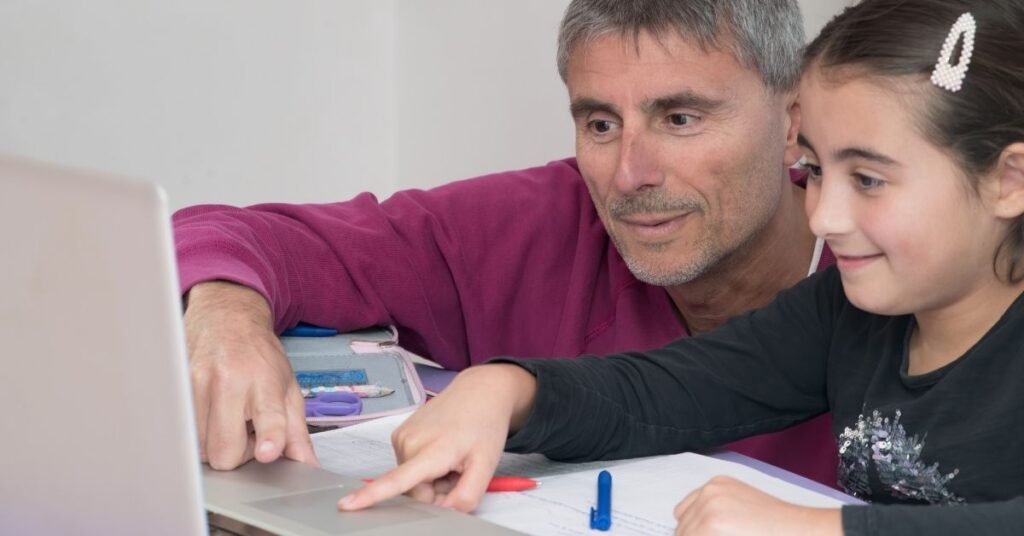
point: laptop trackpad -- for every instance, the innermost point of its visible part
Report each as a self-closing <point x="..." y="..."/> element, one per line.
<point x="318" y="509"/>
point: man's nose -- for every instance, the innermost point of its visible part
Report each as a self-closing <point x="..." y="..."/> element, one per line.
<point x="638" y="162"/>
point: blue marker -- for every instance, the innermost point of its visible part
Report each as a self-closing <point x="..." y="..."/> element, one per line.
<point x="601" y="517"/>
<point x="309" y="330"/>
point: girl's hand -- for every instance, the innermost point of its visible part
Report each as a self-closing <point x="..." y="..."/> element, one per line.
<point x="726" y="506"/>
<point x="448" y="450"/>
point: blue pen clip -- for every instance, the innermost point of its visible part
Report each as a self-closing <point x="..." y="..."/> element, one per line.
<point x="601" y="517"/>
<point x="309" y="330"/>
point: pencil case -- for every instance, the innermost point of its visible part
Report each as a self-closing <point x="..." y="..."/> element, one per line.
<point x="370" y="357"/>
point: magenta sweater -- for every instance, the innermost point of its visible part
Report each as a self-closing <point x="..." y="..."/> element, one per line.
<point x="514" y="264"/>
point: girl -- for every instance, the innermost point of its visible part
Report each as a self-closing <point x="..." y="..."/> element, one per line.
<point x="913" y="130"/>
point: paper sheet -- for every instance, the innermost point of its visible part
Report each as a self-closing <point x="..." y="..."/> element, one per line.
<point x="644" y="491"/>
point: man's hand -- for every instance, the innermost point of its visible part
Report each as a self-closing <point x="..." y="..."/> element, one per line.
<point x="448" y="450"/>
<point x="726" y="506"/>
<point x="247" y="401"/>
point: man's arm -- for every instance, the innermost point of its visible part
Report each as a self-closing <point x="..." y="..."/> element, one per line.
<point x="437" y="264"/>
<point x="433" y="263"/>
<point x="240" y="373"/>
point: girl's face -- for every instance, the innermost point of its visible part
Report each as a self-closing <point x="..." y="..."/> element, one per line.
<point x="909" y="234"/>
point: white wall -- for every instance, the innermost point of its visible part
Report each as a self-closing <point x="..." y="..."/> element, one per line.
<point x="233" y="101"/>
<point x="478" y="88"/>
<point x="243" y="101"/>
<point x="818" y="12"/>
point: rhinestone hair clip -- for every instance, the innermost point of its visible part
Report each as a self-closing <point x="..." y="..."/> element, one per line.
<point x="946" y="75"/>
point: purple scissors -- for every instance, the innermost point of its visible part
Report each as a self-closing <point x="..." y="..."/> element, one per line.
<point x="334" y="404"/>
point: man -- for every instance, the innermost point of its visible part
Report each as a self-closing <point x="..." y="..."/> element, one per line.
<point x="677" y="214"/>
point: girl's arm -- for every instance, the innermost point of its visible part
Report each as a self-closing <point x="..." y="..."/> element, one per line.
<point x="1006" y="517"/>
<point x="760" y="372"/>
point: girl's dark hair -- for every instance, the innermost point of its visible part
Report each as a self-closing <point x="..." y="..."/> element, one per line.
<point x="903" y="39"/>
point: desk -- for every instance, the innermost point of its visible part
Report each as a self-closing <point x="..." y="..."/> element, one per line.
<point x="792" y="478"/>
<point x="660" y="481"/>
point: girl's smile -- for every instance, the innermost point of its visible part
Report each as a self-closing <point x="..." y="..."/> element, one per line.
<point x="849" y="263"/>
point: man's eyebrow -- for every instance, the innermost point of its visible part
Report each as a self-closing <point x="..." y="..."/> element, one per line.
<point x="849" y="153"/>
<point x="585" y="106"/>
<point x="683" y="99"/>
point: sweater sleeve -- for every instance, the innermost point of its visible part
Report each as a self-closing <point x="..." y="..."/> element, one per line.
<point x="993" y="518"/>
<point x="442" y="265"/>
<point x="759" y="372"/>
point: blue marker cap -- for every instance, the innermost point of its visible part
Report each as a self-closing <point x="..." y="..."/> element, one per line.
<point x="601" y="517"/>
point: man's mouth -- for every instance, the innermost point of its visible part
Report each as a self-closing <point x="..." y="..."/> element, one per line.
<point x="653" y="226"/>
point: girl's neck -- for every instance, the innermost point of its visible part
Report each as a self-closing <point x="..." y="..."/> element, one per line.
<point x="943" y="335"/>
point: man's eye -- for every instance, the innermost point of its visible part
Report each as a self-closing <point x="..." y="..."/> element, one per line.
<point x="601" y="126"/>
<point x="681" y="120"/>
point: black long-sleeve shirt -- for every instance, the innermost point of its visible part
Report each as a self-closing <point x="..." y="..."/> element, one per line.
<point x="936" y="453"/>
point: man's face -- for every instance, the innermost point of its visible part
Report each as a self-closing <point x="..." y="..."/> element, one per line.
<point x="683" y="151"/>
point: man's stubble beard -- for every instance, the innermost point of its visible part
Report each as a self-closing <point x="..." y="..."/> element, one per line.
<point x="657" y="201"/>
<point x="709" y="256"/>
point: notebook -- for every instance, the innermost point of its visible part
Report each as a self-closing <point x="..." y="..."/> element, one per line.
<point x="97" y="419"/>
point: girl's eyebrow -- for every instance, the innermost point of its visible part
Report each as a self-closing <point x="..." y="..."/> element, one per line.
<point x="801" y="140"/>
<point x="849" y="153"/>
<point x="864" y="154"/>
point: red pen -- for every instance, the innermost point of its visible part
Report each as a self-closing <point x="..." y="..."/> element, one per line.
<point x="502" y="483"/>
<point x="511" y="483"/>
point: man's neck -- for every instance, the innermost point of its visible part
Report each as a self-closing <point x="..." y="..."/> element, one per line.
<point x="777" y="258"/>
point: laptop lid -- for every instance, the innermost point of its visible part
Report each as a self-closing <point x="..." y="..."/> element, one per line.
<point x="97" y="420"/>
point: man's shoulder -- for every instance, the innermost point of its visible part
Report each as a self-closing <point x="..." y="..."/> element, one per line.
<point x="826" y="258"/>
<point x="551" y="199"/>
<point x="556" y="175"/>
<point x="798" y="176"/>
<point x="556" y="187"/>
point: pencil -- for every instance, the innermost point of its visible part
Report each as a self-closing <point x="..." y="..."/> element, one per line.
<point x="362" y="391"/>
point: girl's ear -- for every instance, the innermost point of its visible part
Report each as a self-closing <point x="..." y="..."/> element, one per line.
<point x="1009" y="175"/>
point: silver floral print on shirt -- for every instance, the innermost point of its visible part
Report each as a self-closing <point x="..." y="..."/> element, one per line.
<point x="896" y="457"/>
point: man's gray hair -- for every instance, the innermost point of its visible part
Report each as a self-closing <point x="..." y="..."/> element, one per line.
<point x="765" y="35"/>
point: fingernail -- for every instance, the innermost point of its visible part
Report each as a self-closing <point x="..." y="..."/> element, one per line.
<point x="266" y="446"/>
<point x="346" y="501"/>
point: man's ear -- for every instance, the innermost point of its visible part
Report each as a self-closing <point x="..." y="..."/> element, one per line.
<point x="1009" y="175"/>
<point x="793" y="152"/>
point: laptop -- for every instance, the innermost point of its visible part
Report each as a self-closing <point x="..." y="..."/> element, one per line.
<point x="97" y="423"/>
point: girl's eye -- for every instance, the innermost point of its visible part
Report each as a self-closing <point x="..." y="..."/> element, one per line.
<point x="865" y="182"/>
<point x="813" y="170"/>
